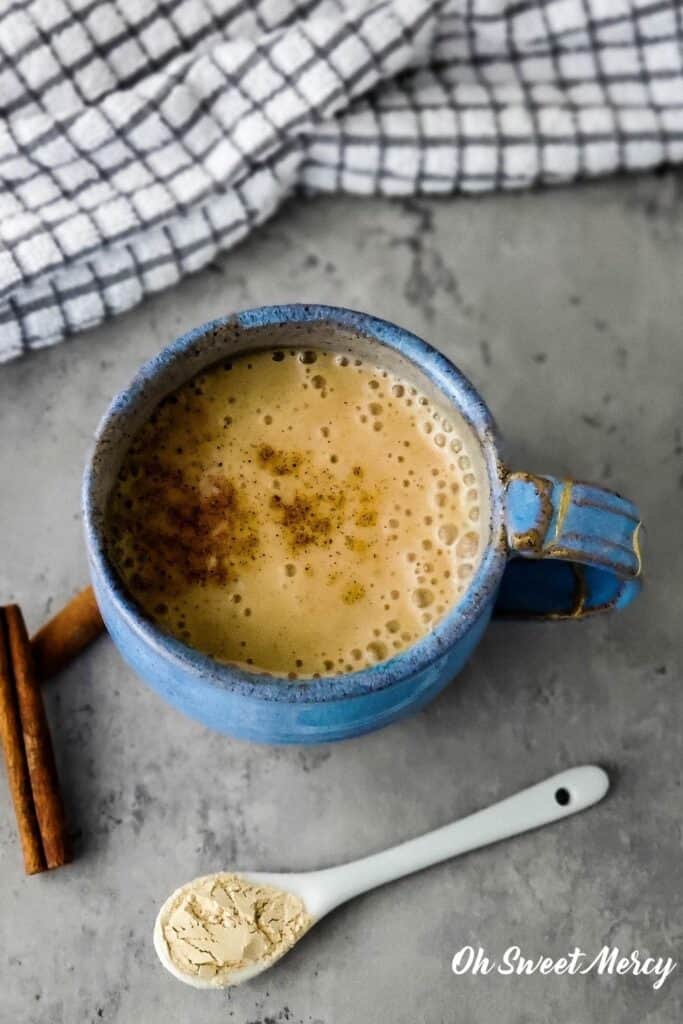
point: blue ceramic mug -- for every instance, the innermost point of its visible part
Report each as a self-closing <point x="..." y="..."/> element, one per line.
<point x="556" y="549"/>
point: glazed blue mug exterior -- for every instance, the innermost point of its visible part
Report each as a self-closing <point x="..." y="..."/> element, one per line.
<point x="557" y="549"/>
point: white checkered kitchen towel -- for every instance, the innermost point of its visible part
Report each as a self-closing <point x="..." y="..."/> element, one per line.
<point x="140" y="137"/>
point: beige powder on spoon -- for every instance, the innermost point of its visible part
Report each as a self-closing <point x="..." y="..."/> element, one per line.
<point x="223" y="923"/>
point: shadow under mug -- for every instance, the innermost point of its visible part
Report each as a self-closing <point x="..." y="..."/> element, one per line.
<point x="557" y="549"/>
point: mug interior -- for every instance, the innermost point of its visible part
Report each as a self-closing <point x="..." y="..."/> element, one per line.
<point x="317" y="327"/>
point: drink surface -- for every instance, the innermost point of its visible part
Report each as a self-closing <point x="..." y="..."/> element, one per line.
<point x="299" y="512"/>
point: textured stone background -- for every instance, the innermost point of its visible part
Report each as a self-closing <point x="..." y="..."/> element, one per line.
<point x="565" y="308"/>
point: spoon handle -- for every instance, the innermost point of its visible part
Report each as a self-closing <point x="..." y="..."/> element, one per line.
<point x="557" y="797"/>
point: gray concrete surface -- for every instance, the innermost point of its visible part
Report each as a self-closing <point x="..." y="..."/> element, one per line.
<point x="566" y="309"/>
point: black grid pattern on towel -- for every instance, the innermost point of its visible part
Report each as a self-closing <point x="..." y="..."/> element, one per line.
<point x="139" y="138"/>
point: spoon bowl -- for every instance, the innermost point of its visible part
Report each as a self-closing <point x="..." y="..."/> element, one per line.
<point x="306" y="885"/>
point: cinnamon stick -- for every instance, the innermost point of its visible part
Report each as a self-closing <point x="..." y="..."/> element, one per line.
<point x="24" y="731"/>
<point x="40" y="759"/>
<point x="18" y="777"/>
<point x="66" y="634"/>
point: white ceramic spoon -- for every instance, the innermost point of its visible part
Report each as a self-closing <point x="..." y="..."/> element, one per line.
<point x="322" y="891"/>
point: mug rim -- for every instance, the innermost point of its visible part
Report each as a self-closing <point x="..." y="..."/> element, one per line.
<point x="453" y="386"/>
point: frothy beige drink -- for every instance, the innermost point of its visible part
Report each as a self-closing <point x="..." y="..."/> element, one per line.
<point x="299" y="512"/>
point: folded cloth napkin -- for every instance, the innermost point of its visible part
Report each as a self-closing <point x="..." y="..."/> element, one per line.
<point x="138" y="138"/>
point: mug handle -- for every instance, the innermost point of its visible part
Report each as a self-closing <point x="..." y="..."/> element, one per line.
<point x="574" y="549"/>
